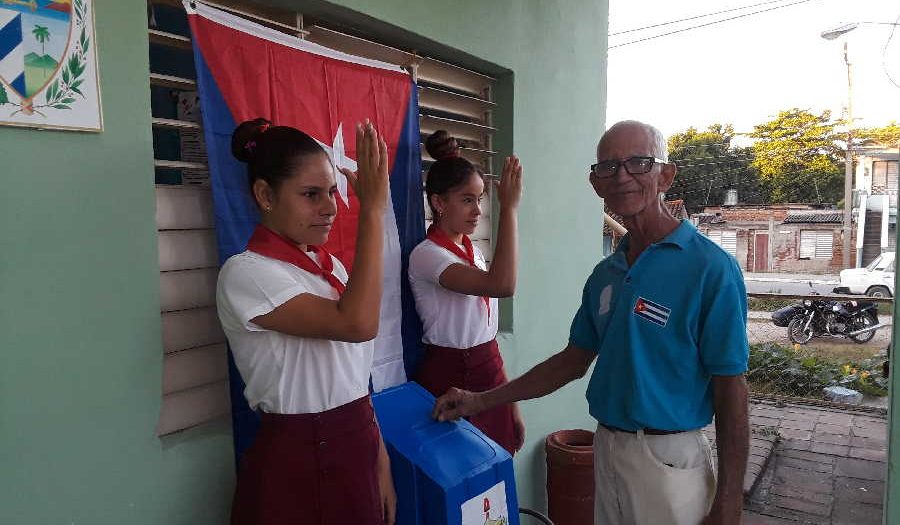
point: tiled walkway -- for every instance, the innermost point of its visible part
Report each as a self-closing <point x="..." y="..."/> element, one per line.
<point x="829" y="466"/>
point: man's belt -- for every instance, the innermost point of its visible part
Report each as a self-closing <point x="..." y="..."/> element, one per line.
<point x="647" y="431"/>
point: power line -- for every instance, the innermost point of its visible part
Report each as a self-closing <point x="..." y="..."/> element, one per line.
<point x="689" y="188"/>
<point x="733" y="153"/>
<point x="794" y="187"/>
<point x="686" y="166"/>
<point x="694" y="17"/>
<point x="740" y="157"/>
<point x="694" y="177"/>
<point x="746" y="187"/>
<point x="703" y="145"/>
<point x="884" y="53"/>
<point x="708" y="24"/>
<point x="747" y="156"/>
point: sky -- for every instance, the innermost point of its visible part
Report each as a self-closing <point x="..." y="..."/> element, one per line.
<point x="745" y="71"/>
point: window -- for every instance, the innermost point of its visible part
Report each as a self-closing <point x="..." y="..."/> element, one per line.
<point x="816" y="244"/>
<point x="726" y="239"/>
<point x="195" y="374"/>
<point x="884" y="174"/>
<point x="884" y="179"/>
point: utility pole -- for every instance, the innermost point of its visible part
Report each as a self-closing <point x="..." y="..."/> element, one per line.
<point x="848" y="166"/>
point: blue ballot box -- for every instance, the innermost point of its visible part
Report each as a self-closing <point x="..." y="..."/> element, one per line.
<point x="445" y="473"/>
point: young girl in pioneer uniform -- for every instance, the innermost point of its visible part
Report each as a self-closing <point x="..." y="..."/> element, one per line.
<point x="456" y="294"/>
<point x="300" y="330"/>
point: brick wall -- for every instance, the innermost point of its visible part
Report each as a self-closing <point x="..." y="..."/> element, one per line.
<point x="837" y="260"/>
<point x="786" y="249"/>
<point x="784" y="246"/>
<point x="756" y="213"/>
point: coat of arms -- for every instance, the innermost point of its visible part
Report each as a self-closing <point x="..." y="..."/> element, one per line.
<point x="48" y="72"/>
<point x="487" y="508"/>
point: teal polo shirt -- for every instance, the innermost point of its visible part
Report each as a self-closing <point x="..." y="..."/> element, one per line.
<point x="661" y="329"/>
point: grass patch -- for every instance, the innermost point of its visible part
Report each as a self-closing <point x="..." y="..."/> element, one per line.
<point x="842" y="351"/>
<point x="777" y="369"/>
<point x="758" y="304"/>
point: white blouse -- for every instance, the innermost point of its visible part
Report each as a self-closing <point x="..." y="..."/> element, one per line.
<point x="449" y="319"/>
<point x="286" y="374"/>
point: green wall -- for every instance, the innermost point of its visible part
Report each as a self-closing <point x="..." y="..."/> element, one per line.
<point x="892" y="490"/>
<point x="80" y="350"/>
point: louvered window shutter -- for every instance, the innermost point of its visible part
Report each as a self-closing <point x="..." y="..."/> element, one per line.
<point x="807" y="244"/>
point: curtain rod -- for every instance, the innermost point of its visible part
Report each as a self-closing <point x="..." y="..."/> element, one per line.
<point x="298" y="29"/>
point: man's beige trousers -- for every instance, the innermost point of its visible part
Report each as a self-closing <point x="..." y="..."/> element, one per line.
<point x="652" y="480"/>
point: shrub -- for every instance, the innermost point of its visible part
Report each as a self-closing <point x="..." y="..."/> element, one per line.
<point x="774" y="368"/>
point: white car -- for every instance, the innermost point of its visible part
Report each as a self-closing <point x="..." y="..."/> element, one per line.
<point x="875" y="280"/>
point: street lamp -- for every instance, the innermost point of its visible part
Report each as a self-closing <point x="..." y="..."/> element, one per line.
<point x="848" y="159"/>
<point x="831" y="34"/>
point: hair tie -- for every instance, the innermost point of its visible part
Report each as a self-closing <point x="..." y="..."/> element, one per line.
<point x="250" y="146"/>
<point x="450" y="155"/>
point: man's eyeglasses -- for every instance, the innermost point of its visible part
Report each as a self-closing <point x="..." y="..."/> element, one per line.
<point x="633" y="166"/>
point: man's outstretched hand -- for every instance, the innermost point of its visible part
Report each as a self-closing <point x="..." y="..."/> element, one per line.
<point x="457" y="403"/>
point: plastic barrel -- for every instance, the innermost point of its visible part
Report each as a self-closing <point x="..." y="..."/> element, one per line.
<point x="570" y="477"/>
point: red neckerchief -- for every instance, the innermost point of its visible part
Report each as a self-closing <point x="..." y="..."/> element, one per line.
<point x="437" y="236"/>
<point x="266" y="242"/>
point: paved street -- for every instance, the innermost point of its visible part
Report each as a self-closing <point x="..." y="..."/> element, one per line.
<point x="797" y="284"/>
<point x="829" y="467"/>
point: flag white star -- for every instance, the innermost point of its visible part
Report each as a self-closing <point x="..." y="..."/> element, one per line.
<point x="339" y="159"/>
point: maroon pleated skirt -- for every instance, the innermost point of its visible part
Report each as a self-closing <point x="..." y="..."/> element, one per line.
<point x="475" y="369"/>
<point x="312" y="469"/>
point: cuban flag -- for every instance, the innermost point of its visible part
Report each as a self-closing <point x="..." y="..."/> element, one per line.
<point x="12" y="50"/>
<point x="653" y="312"/>
<point x="245" y="71"/>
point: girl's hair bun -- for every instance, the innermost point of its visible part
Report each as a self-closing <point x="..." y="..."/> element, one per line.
<point x="441" y="145"/>
<point x="246" y="137"/>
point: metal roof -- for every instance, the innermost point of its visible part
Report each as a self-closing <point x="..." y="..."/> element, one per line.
<point x="800" y="218"/>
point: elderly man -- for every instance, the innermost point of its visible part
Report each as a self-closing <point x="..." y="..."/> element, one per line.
<point x="665" y="318"/>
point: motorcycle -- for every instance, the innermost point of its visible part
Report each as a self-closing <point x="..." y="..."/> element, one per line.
<point x="856" y="320"/>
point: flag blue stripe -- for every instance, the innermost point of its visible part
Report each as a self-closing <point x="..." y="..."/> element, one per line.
<point x="235" y="218"/>
<point x="652" y="319"/>
<point x="654" y="313"/>
<point x="659" y="307"/>
<point x="409" y="210"/>
<point x="11" y="37"/>
<point x="19" y="84"/>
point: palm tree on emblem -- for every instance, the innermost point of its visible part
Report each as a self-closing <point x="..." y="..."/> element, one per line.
<point x="41" y="34"/>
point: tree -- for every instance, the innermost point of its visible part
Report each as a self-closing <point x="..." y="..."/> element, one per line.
<point x="799" y="157"/>
<point x="708" y="166"/>
<point x="886" y="136"/>
<point x="41" y="34"/>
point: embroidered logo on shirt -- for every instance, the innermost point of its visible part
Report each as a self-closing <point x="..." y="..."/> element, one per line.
<point x="605" y="300"/>
<point x="653" y="312"/>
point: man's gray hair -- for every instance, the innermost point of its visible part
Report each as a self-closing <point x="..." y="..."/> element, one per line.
<point x="660" y="146"/>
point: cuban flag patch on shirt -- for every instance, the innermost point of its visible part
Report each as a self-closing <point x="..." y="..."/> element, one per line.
<point x="653" y="312"/>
